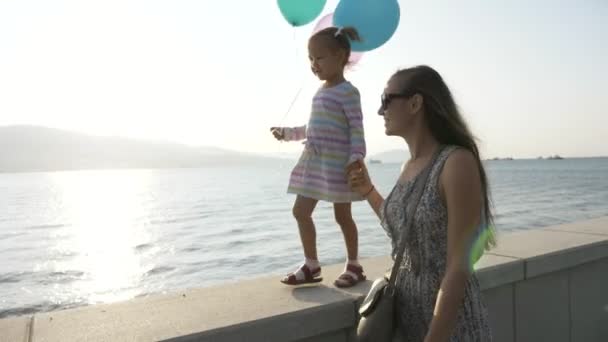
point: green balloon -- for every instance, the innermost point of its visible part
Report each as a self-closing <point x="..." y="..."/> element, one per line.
<point x="300" y="12"/>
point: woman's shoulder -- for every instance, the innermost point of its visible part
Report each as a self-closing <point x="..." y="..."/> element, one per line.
<point x="459" y="164"/>
<point x="452" y="157"/>
<point x="456" y="156"/>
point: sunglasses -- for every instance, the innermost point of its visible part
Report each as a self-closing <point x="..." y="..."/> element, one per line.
<point x="387" y="98"/>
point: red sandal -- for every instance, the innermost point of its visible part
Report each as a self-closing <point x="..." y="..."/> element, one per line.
<point x="310" y="276"/>
<point x="346" y="279"/>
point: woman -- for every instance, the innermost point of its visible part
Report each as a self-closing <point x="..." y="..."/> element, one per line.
<point x="438" y="296"/>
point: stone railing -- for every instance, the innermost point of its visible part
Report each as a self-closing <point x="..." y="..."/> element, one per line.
<point x="547" y="284"/>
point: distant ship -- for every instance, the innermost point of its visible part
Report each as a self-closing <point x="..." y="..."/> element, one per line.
<point x="375" y="161"/>
<point x="555" y="157"/>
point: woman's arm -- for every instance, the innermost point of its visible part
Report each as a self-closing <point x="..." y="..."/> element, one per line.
<point x="358" y="179"/>
<point x="460" y="186"/>
<point x="375" y="200"/>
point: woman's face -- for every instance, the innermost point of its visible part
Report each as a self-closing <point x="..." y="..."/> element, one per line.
<point x="398" y="107"/>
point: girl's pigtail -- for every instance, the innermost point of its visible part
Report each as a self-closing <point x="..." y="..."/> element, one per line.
<point x="351" y="33"/>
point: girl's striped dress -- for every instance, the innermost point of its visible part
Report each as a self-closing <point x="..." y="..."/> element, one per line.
<point x="334" y="138"/>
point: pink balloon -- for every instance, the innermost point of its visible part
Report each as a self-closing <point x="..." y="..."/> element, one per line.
<point x="327" y="21"/>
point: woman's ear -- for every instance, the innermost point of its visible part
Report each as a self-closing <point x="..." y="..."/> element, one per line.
<point x="416" y="103"/>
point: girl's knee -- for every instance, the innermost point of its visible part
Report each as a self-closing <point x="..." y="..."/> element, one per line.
<point x="343" y="215"/>
<point x="300" y="214"/>
<point x="303" y="208"/>
<point x="344" y="221"/>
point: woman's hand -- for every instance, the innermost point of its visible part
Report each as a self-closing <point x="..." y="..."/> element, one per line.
<point x="358" y="178"/>
<point x="277" y="132"/>
<point x="359" y="181"/>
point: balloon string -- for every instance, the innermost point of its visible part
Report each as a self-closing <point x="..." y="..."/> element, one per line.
<point x="293" y="101"/>
<point x="295" y="98"/>
<point x="297" y="94"/>
<point x="295" y="44"/>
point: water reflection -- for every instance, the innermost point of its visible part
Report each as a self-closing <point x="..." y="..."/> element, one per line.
<point x="103" y="210"/>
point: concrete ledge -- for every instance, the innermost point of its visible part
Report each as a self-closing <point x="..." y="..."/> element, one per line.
<point x="541" y="309"/>
<point x="243" y="307"/>
<point x="547" y="284"/>
<point x="334" y="318"/>
<point x="262" y="309"/>
<point x="589" y="302"/>
<point x="496" y="270"/>
<point x="598" y="226"/>
<point x="550" y="250"/>
<point x="501" y="310"/>
<point x="15" y="329"/>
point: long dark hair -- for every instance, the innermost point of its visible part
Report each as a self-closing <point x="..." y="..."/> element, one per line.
<point x="447" y="125"/>
<point x="339" y="38"/>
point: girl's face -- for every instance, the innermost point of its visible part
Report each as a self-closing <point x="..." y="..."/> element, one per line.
<point x="325" y="63"/>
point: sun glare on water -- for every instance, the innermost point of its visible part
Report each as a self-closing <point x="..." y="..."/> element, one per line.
<point x="104" y="211"/>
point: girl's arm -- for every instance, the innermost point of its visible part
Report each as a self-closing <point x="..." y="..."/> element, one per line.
<point x="294" y="133"/>
<point x="352" y="110"/>
<point x="461" y="188"/>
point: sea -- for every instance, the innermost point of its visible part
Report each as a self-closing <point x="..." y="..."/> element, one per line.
<point x="76" y="238"/>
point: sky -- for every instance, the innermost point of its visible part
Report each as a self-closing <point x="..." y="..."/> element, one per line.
<point x="529" y="76"/>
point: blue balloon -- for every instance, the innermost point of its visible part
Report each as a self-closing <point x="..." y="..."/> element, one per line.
<point x="375" y="20"/>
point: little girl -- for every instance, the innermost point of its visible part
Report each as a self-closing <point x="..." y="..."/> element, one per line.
<point x="334" y="139"/>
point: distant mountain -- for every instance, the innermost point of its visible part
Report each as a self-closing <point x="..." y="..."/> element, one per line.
<point x="391" y="156"/>
<point x="34" y="148"/>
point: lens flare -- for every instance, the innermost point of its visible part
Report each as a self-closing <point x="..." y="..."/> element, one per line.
<point x="479" y="245"/>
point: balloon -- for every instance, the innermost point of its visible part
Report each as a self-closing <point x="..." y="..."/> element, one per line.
<point x="376" y="21"/>
<point x="325" y="22"/>
<point x="300" y="12"/>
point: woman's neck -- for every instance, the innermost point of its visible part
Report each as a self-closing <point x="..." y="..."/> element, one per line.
<point x="421" y="143"/>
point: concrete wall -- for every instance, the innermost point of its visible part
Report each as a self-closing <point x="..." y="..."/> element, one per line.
<point x="541" y="285"/>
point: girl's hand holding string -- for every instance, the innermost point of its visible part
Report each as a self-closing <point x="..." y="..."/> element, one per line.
<point x="278" y="133"/>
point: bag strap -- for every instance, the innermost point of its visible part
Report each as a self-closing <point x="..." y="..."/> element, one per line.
<point x="418" y="192"/>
